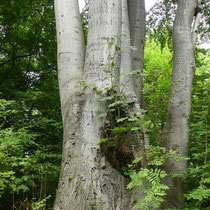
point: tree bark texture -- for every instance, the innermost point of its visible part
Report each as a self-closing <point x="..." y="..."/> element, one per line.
<point x="176" y="130"/>
<point x="87" y="180"/>
<point x="137" y="33"/>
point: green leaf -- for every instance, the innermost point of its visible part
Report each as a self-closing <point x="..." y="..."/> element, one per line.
<point x="22" y="187"/>
<point x="106" y="71"/>
<point x="107" y="98"/>
<point x="133" y="48"/>
<point x="131" y="73"/>
<point x="102" y="141"/>
<point x="132" y="119"/>
<point x="122" y="119"/>
<point x="135" y="128"/>
<point x="115" y="103"/>
<point x="102" y="115"/>
<point x="129" y="101"/>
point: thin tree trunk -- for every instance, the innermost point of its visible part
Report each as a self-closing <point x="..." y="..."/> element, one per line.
<point x="137" y="33"/>
<point x="176" y="130"/>
<point x="87" y="181"/>
<point x="137" y="15"/>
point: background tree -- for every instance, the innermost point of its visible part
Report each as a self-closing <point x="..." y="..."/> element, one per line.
<point x="176" y="130"/>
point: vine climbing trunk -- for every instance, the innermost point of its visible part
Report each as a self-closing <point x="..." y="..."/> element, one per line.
<point x="176" y="130"/>
<point x="87" y="180"/>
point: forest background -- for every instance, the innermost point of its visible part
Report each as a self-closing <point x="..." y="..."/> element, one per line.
<point x="30" y="116"/>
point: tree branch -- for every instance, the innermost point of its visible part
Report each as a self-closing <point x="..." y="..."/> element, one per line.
<point x="16" y="57"/>
<point x="195" y="25"/>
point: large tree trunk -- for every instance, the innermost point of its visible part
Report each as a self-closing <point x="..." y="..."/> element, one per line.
<point x="87" y="181"/>
<point x="176" y="130"/>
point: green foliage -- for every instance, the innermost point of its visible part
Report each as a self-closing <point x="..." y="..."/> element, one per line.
<point x="160" y="22"/>
<point x="84" y="19"/>
<point x="40" y="205"/>
<point x="149" y="177"/>
<point x="30" y="117"/>
<point x="26" y="165"/>
<point x="197" y="174"/>
<point x="156" y="90"/>
<point x="202" y="192"/>
<point x="156" y="86"/>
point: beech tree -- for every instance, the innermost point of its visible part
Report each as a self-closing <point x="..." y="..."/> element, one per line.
<point x="176" y="130"/>
<point x="82" y="181"/>
<point x="88" y="178"/>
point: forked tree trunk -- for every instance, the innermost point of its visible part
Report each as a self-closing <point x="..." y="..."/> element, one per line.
<point x="176" y="130"/>
<point x="87" y="181"/>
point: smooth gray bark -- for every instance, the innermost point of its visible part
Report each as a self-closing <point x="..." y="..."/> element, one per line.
<point x="176" y="130"/>
<point x="137" y="15"/>
<point x="137" y="34"/>
<point x="87" y="181"/>
<point x="70" y="56"/>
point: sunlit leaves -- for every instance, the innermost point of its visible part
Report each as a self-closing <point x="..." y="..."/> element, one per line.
<point x="149" y="179"/>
